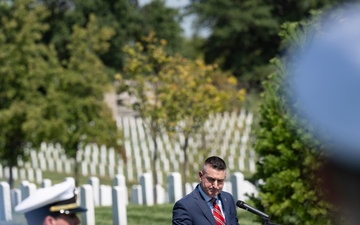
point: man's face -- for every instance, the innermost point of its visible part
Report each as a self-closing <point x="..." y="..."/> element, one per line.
<point x="212" y="180"/>
<point x="64" y="219"/>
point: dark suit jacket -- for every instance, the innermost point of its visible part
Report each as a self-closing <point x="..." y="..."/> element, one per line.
<point x="193" y="210"/>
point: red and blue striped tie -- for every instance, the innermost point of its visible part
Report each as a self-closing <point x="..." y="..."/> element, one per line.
<point x="220" y="220"/>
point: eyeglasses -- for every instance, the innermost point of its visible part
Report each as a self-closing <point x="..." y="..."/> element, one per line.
<point x="212" y="180"/>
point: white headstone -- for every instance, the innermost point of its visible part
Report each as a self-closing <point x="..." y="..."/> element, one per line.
<point x="1" y="171"/>
<point x="93" y="169"/>
<point x="111" y="156"/>
<point x="105" y="198"/>
<point x="34" y="159"/>
<point x="59" y="166"/>
<point x="22" y="173"/>
<point x="67" y="166"/>
<point x="227" y="187"/>
<point x="38" y="175"/>
<point x="27" y="189"/>
<point x="174" y="187"/>
<point x="15" y="197"/>
<point x="42" y="163"/>
<point x="111" y="170"/>
<point x="95" y="183"/>
<point x="159" y="175"/>
<point x="15" y="173"/>
<point x="30" y="173"/>
<point x="51" y="164"/>
<point x="241" y="163"/>
<point x="160" y="194"/>
<point x="136" y="195"/>
<point x="119" y="180"/>
<point x="46" y="183"/>
<point x="147" y="189"/>
<point x="188" y="188"/>
<point x="102" y="170"/>
<point x="237" y="179"/>
<point x="87" y="201"/>
<point x="5" y="202"/>
<point x="84" y="168"/>
<point x="120" y="169"/>
<point x="6" y="172"/>
<point x="119" y="206"/>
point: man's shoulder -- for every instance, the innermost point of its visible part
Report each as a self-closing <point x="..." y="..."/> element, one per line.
<point x="190" y="196"/>
<point x="227" y="195"/>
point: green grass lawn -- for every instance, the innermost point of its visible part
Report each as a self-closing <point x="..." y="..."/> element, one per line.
<point x="142" y="215"/>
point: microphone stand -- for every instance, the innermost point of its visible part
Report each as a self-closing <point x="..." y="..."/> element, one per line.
<point x="267" y="221"/>
<point x="265" y="217"/>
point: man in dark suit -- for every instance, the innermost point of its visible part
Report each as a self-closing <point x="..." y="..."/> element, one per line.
<point x="207" y="203"/>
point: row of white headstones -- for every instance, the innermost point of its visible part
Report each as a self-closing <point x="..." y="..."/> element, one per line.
<point x="95" y="194"/>
<point x="227" y="135"/>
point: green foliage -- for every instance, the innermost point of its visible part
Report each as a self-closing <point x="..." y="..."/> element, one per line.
<point x="128" y="21"/>
<point x="80" y="92"/>
<point x="175" y="93"/>
<point x="26" y="67"/>
<point x="120" y="15"/>
<point x="42" y="100"/>
<point x="244" y="34"/>
<point x="289" y="154"/>
<point x="76" y="113"/>
<point x="163" y="21"/>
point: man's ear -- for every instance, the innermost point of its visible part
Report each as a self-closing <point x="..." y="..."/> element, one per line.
<point x="49" y="220"/>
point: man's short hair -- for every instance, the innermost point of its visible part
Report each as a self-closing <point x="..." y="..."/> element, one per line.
<point x="215" y="162"/>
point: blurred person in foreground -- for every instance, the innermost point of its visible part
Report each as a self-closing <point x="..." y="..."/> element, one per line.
<point x="207" y="203"/>
<point x="54" y="205"/>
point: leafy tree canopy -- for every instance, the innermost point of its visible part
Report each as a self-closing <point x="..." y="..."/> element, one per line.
<point x="243" y="35"/>
<point x="43" y="100"/>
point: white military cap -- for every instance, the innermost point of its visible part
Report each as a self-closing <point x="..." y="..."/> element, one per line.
<point x="57" y="199"/>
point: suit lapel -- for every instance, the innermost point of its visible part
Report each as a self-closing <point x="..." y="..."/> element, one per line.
<point x="225" y="206"/>
<point x="201" y="203"/>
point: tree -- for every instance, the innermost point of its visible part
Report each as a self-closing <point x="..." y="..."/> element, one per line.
<point x="243" y="35"/>
<point x="290" y="156"/>
<point x="175" y="93"/>
<point x="195" y="92"/>
<point x="120" y="15"/>
<point x="26" y="67"/>
<point x="43" y="100"/>
<point x="163" y="21"/>
<point x="125" y="17"/>
<point x="77" y="103"/>
<point x="144" y="65"/>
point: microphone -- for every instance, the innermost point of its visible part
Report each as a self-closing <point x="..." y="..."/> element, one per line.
<point x="251" y="209"/>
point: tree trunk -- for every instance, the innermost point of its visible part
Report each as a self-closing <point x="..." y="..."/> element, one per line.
<point x="76" y="173"/>
<point x="154" y="169"/>
<point x="11" y="176"/>
<point x="185" y="164"/>
<point x="76" y="168"/>
<point x="11" y="164"/>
